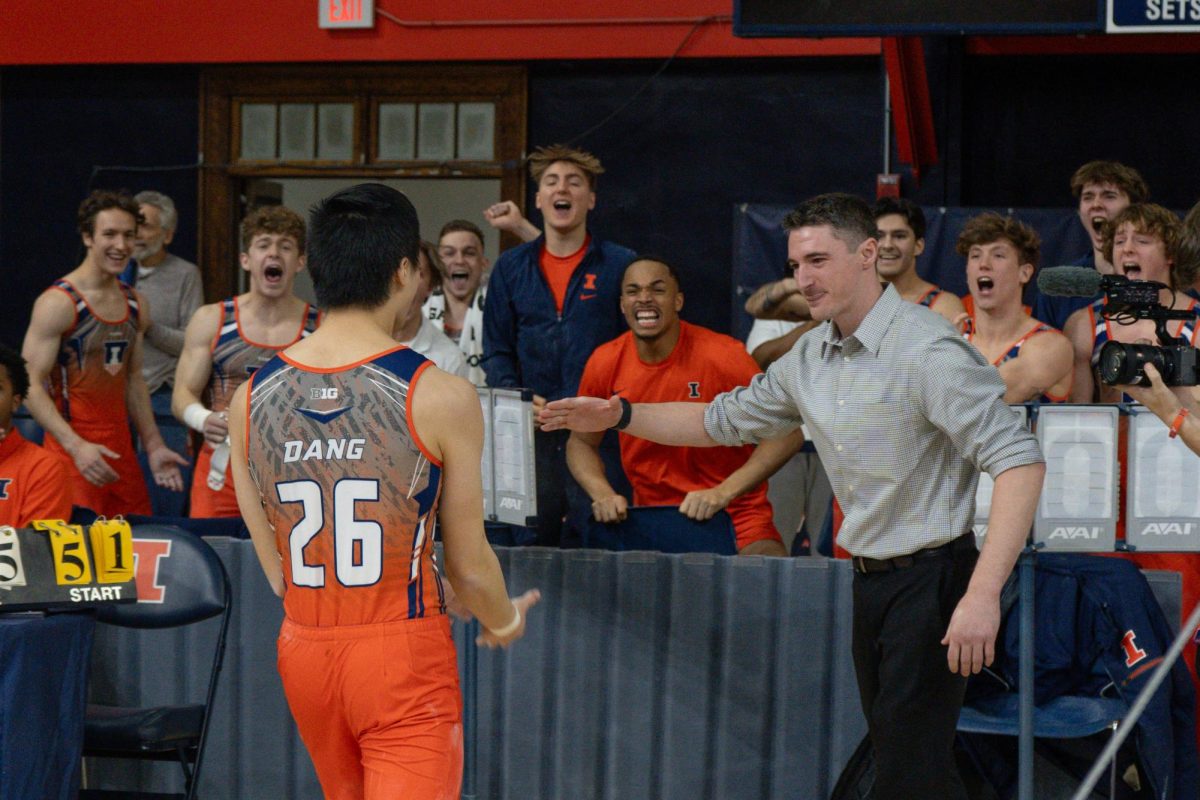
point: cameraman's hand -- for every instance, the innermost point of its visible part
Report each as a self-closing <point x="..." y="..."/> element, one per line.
<point x="1165" y="401"/>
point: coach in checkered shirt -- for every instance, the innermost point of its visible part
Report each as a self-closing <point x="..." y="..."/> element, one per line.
<point x="904" y="413"/>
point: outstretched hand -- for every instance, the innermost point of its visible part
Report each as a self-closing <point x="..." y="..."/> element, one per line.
<point x="583" y="414"/>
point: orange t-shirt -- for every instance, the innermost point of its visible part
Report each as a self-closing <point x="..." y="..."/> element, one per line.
<point x="557" y="270"/>
<point x="33" y="482"/>
<point x="702" y="365"/>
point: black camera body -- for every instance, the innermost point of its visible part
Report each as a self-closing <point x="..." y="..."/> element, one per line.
<point x="1120" y="363"/>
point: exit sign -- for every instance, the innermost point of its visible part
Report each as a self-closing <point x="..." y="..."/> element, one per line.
<point x="346" y="13"/>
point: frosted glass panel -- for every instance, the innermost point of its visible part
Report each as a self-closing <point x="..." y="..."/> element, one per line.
<point x="476" y="131"/>
<point x="335" y="141"/>
<point x="435" y="132"/>
<point x="297" y="131"/>
<point x="258" y="132"/>
<point x="397" y="131"/>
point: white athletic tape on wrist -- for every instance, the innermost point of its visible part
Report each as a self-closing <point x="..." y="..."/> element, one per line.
<point x="217" y="465"/>
<point x="511" y="627"/>
<point x="194" y="416"/>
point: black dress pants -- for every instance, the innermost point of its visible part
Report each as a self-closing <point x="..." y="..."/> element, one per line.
<point x="909" y="696"/>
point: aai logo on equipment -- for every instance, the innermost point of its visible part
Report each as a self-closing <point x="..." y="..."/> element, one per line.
<point x="1075" y="532"/>
<point x="1168" y="529"/>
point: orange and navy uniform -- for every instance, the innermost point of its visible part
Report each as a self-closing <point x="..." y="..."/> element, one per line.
<point x="930" y="297"/>
<point x="235" y="357"/>
<point x="1014" y="350"/>
<point x="34" y="483"/>
<point x="365" y="652"/>
<point x="702" y="365"/>
<point x="88" y="388"/>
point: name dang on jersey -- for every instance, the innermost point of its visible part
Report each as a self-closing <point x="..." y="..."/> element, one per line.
<point x="324" y="450"/>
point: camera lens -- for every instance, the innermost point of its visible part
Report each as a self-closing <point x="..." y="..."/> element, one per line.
<point x="1121" y="363"/>
<point x="1117" y="364"/>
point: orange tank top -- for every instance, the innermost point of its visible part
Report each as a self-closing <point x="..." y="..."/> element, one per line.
<point x="348" y="488"/>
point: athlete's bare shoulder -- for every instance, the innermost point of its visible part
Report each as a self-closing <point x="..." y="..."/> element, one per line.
<point x="446" y="410"/>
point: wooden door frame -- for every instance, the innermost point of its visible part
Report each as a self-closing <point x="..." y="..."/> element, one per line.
<point x="222" y="88"/>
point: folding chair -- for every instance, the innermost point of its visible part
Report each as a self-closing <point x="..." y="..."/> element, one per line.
<point x="194" y="587"/>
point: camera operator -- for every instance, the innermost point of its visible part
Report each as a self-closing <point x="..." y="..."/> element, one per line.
<point x="1176" y="406"/>
<point x="1141" y="243"/>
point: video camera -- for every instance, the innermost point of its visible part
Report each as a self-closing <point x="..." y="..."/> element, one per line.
<point x="1120" y="363"/>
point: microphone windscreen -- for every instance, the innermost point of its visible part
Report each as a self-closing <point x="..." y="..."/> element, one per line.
<point x="1069" y="281"/>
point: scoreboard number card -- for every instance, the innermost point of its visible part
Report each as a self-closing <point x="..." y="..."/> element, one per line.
<point x="72" y="566"/>
<point x="112" y="549"/>
<point x="12" y="568"/>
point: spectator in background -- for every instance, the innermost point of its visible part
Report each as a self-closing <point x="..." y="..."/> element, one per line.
<point x="34" y="483"/>
<point x="663" y="359"/>
<point x="901" y="226"/>
<point x="799" y="492"/>
<point x="456" y="309"/>
<point x="1141" y="242"/>
<point x="173" y="288"/>
<point x="1102" y="190"/>
<point x="1034" y="359"/>
<point x="84" y="342"/>
<point x="415" y="330"/>
<point x="227" y="341"/>
<point x="551" y="302"/>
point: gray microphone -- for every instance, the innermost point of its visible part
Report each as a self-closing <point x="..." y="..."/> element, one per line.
<point x="1074" y="281"/>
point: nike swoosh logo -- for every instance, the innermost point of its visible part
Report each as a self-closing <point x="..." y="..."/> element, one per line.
<point x="324" y="417"/>
<point x="586" y="296"/>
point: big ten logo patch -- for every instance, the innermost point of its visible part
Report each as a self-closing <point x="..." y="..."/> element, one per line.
<point x="323" y="393"/>
<point x="147" y="561"/>
<point x="114" y="355"/>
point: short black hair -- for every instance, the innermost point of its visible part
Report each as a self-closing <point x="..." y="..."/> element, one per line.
<point x="674" y="273"/>
<point x="906" y="208"/>
<point x="356" y="240"/>
<point x="12" y="361"/>
<point x="848" y="215"/>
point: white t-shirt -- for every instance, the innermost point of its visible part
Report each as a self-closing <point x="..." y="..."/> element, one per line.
<point x="438" y="348"/>
<point x="764" y="330"/>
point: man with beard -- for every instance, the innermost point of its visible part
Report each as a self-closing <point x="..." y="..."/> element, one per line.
<point x="663" y="359"/>
<point x="85" y="343"/>
<point x="227" y="341"/>
<point x="457" y="310"/>
<point x="173" y="288"/>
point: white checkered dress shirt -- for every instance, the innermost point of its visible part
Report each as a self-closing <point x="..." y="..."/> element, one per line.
<point x="904" y="413"/>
